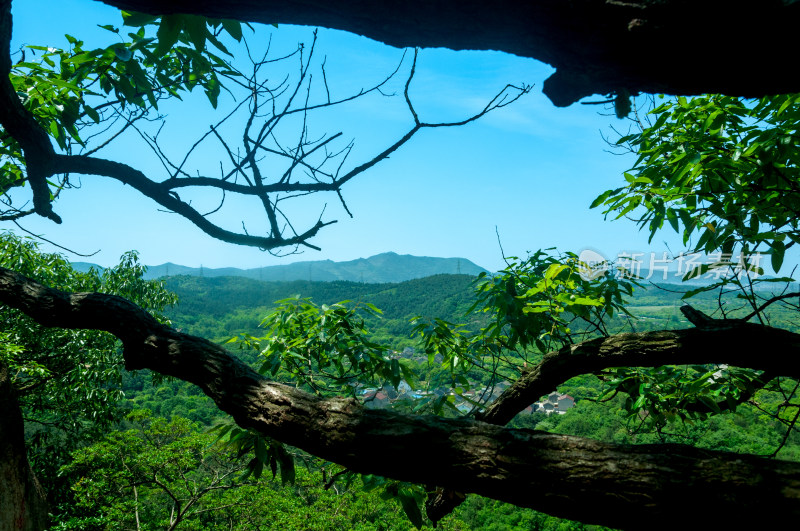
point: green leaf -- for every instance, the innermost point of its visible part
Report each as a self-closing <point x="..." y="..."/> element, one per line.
<point x="673" y="220"/>
<point x="122" y="53"/>
<point x="395" y="372"/>
<point x="195" y="26"/>
<point x="776" y="255"/>
<point x="286" y="462"/>
<point x="554" y="270"/>
<point x="213" y="40"/>
<point x="212" y="92"/>
<point x="411" y="508"/>
<point x="601" y="199"/>
<point x="91" y="113"/>
<point x="168" y="32"/>
<point x="586" y="301"/>
<point x="132" y="18"/>
<point x="233" y="27"/>
<point x="261" y="450"/>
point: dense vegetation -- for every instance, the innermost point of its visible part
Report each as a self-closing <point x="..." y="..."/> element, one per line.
<point x="221" y="307"/>
<point x="720" y="171"/>
<point x="236" y="305"/>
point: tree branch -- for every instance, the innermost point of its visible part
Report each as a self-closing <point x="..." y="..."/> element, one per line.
<point x="596" y="46"/>
<point x="739" y="344"/>
<point x="616" y="485"/>
<point x="161" y="195"/>
<point x="308" y="157"/>
<point x="21" y="125"/>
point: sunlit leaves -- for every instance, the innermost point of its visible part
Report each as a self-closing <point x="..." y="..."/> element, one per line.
<point x="660" y="396"/>
<point x="534" y="302"/>
<point x="722" y="171"/>
<point x="457" y="351"/>
<point x="68" y="380"/>
<point x="69" y="89"/>
<point x="324" y="347"/>
<point x="169" y="463"/>
<point x="725" y="174"/>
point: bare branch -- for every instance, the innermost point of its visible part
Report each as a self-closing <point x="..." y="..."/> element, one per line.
<point x="304" y="164"/>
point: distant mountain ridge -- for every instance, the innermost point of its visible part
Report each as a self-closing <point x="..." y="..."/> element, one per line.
<point x="379" y="269"/>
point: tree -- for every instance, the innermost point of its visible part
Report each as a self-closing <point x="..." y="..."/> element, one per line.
<point x="119" y="87"/>
<point x="158" y="472"/>
<point x="60" y="387"/>
<point x="597" y="46"/>
<point x="574" y="477"/>
<point x="58" y="100"/>
<point x="465" y="454"/>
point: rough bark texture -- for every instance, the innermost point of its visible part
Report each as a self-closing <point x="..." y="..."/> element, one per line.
<point x="20" y="124"/>
<point x="735" y="47"/>
<point x="22" y="501"/>
<point x="739" y="344"/>
<point x="616" y="485"/>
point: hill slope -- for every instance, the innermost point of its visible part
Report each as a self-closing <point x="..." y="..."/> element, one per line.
<point x="223" y="306"/>
<point x="378" y="269"/>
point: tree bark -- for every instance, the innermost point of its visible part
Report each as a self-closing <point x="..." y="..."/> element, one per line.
<point x="734" y="47"/>
<point x="616" y="485"/>
<point x="22" y="501"/>
<point x="738" y="344"/>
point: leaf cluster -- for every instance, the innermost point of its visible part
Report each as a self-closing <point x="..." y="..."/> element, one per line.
<point x="67" y="90"/>
<point x="719" y="168"/>
<point x="68" y="381"/>
<point x="724" y="173"/>
<point x="544" y="300"/>
<point x="326" y="348"/>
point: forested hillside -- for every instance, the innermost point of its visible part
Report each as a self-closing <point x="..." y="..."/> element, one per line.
<point x="219" y="307"/>
<point x="226" y="306"/>
<point x="152" y="458"/>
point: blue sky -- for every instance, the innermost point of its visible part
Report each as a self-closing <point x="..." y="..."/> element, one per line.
<point x="527" y="172"/>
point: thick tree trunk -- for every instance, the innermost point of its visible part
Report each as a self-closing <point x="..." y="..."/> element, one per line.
<point x="735" y="47"/>
<point x="571" y="477"/>
<point x="22" y="501"/>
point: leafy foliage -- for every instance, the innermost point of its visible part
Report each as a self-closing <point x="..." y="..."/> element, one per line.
<point x="324" y="347"/>
<point x="156" y="473"/>
<point x="720" y="168"/>
<point x="538" y="301"/>
<point x="533" y="306"/>
<point x="68" y="381"/>
<point x="724" y="170"/>
<point x="717" y="168"/>
<point x="159" y="474"/>
<point x="265" y="451"/>
<point x="69" y="89"/>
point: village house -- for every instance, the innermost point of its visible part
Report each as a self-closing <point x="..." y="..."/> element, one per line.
<point x="554" y="403"/>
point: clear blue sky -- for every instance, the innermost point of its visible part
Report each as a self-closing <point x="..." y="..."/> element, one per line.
<point x="528" y="171"/>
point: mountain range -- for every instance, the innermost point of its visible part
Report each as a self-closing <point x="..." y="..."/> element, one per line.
<point x="378" y="269"/>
